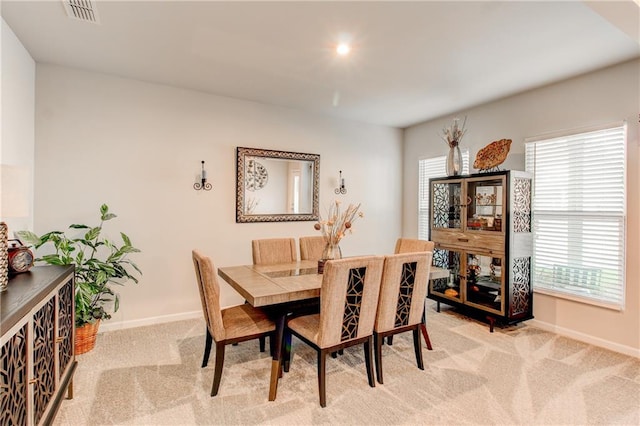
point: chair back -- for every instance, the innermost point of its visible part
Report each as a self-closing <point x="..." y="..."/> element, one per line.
<point x="349" y="299"/>
<point x="209" y="294"/>
<point x="408" y="245"/>
<point x="403" y="290"/>
<point x="311" y="248"/>
<point x="274" y="250"/>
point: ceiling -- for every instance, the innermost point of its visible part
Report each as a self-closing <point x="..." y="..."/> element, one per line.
<point x="410" y="61"/>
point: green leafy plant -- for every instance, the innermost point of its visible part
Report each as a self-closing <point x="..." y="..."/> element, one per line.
<point x="99" y="263"/>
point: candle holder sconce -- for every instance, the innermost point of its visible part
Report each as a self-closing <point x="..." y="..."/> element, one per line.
<point x="203" y="184"/>
<point x="341" y="189"/>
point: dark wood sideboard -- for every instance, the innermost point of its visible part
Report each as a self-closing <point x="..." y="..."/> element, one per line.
<point x="37" y="359"/>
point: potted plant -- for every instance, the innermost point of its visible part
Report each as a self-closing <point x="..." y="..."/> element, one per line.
<point x="99" y="264"/>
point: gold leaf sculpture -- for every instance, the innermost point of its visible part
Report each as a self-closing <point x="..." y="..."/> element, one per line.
<point x="492" y="155"/>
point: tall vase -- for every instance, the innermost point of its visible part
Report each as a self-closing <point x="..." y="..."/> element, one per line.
<point x="331" y="252"/>
<point x="454" y="160"/>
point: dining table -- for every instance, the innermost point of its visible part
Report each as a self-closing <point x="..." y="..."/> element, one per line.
<point x="278" y="287"/>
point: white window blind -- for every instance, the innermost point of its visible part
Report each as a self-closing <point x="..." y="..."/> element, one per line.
<point x="429" y="168"/>
<point x="579" y="208"/>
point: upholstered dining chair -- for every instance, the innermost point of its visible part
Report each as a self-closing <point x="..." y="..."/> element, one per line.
<point x="348" y="303"/>
<point x="311" y="248"/>
<point x="271" y="251"/>
<point x="409" y="245"/>
<point x="401" y="302"/>
<point x="274" y="250"/>
<point x="225" y="326"/>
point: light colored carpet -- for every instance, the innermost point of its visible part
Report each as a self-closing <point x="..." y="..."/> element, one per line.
<point x="514" y="376"/>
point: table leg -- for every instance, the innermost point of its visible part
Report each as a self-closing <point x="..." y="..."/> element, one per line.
<point x="277" y="357"/>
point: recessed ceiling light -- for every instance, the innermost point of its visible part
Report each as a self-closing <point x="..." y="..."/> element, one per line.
<point x="343" y="49"/>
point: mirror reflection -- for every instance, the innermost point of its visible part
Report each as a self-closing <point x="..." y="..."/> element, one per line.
<point x="275" y="186"/>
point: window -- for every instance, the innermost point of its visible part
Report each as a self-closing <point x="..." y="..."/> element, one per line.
<point x="429" y="168"/>
<point x="578" y="208"/>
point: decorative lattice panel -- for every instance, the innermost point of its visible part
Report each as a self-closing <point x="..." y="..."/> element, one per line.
<point x="65" y="325"/>
<point x="522" y="205"/>
<point x="43" y="358"/>
<point x="521" y="287"/>
<point x="446" y="205"/>
<point x="13" y="379"/>
<point x="352" y="303"/>
<point x="407" y="281"/>
<point x="448" y="260"/>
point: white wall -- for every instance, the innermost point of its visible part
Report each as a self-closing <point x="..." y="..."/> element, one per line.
<point x="137" y="147"/>
<point x="17" y="122"/>
<point x="602" y="97"/>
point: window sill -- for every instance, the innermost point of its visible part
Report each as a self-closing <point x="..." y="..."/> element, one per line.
<point x="578" y="299"/>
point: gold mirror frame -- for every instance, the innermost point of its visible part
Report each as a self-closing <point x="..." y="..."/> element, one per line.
<point x="243" y="155"/>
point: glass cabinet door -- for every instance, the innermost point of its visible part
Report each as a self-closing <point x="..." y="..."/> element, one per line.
<point x="485" y="282"/>
<point x="485" y="209"/>
<point x="450" y="287"/>
<point x="447" y="205"/>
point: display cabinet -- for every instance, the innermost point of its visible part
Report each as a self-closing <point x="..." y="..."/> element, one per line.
<point x="37" y="359"/>
<point x="481" y="227"/>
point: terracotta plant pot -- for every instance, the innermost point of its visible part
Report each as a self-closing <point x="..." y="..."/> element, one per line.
<point x="86" y="337"/>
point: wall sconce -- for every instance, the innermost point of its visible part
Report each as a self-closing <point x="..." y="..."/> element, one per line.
<point x="203" y="184"/>
<point x="341" y="189"/>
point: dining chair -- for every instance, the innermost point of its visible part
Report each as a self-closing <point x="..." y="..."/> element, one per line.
<point x="271" y="251"/>
<point x="410" y="245"/>
<point x="225" y="326"/>
<point x="274" y="250"/>
<point x="348" y="304"/>
<point x="311" y="248"/>
<point x="401" y="302"/>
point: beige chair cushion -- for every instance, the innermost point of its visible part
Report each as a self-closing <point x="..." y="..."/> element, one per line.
<point x="408" y="245"/>
<point x="348" y="302"/>
<point x="411" y="272"/>
<point x="245" y="320"/>
<point x="274" y="250"/>
<point x="307" y="326"/>
<point x="311" y="248"/>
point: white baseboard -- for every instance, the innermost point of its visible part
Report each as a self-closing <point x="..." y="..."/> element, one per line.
<point x="596" y="341"/>
<point x="121" y="325"/>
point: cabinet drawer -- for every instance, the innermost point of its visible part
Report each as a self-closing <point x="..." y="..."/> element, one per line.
<point x="492" y="244"/>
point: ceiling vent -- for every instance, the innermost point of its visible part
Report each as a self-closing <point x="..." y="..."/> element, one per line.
<point x="84" y="10"/>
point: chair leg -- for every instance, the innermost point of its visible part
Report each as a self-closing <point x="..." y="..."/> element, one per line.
<point x="207" y="348"/>
<point x="418" y="348"/>
<point x="368" y="347"/>
<point x="390" y="340"/>
<point x="262" y="343"/>
<point x="425" y="334"/>
<point x="322" y="370"/>
<point x="377" y="342"/>
<point x="286" y="358"/>
<point x="217" y="375"/>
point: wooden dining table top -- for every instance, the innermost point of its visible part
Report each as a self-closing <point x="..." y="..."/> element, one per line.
<point x="264" y="285"/>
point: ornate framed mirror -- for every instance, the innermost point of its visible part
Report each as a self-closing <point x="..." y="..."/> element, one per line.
<point x="276" y="186"/>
